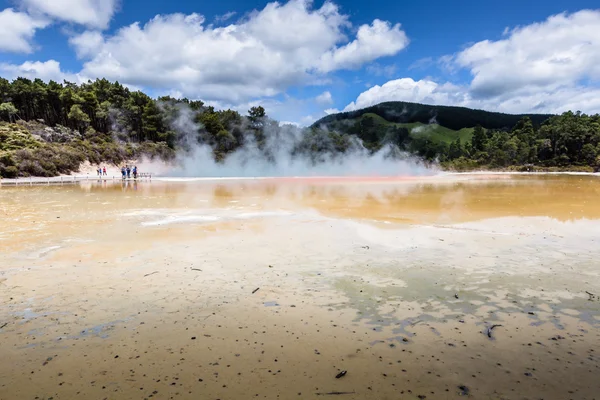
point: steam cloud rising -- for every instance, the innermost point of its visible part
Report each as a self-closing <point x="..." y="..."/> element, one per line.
<point x="278" y="157"/>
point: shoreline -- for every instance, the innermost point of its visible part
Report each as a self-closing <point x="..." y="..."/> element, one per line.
<point x="117" y="178"/>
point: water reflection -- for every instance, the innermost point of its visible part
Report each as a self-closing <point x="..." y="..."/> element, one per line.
<point x="565" y="198"/>
<point x="429" y="201"/>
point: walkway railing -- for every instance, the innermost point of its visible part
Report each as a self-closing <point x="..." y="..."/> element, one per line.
<point x="71" y="179"/>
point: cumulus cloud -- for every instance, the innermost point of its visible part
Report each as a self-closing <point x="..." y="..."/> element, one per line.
<point x="86" y="43"/>
<point x="92" y="13"/>
<point x="324" y="98"/>
<point x="372" y="41"/>
<point x="551" y="66"/>
<point x="407" y="89"/>
<point x="541" y="100"/>
<point x="562" y="50"/>
<point x="48" y="70"/>
<point x="17" y="30"/>
<point x="268" y="51"/>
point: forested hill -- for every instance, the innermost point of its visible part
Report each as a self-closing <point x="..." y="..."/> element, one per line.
<point x="454" y="118"/>
<point x="465" y="139"/>
<point x="49" y="128"/>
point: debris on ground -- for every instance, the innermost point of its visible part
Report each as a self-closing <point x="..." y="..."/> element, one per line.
<point x="490" y="329"/>
<point x="341" y="374"/>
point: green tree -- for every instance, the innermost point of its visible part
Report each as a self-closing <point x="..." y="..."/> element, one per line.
<point x="589" y="154"/>
<point x="257" y="114"/>
<point x="8" y="111"/>
<point x="152" y="121"/>
<point x="479" y="138"/>
<point x="455" y="150"/>
<point x="79" y="119"/>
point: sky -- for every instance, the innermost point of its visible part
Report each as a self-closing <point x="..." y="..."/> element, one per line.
<point x="304" y="59"/>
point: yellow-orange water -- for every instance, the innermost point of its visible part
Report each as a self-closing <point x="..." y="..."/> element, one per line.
<point x="147" y="290"/>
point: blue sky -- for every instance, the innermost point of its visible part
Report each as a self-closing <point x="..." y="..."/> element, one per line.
<point x="303" y="59"/>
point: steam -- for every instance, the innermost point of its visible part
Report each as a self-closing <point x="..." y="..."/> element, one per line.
<point x="286" y="150"/>
<point x="425" y="128"/>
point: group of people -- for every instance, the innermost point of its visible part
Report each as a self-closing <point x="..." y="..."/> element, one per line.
<point x="126" y="172"/>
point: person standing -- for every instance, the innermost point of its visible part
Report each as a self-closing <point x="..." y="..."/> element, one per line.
<point x="128" y="172"/>
<point x="104" y="171"/>
<point x="123" y="172"/>
<point x="135" y="172"/>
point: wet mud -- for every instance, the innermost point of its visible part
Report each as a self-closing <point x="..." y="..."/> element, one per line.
<point x="484" y="288"/>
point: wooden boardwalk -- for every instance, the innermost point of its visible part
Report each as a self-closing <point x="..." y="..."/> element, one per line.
<point x="70" y="179"/>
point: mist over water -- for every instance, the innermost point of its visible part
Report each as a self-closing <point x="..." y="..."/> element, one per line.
<point x="279" y="155"/>
<point x="249" y="162"/>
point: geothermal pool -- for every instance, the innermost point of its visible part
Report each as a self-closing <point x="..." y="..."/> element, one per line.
<point x="480" y="286"/>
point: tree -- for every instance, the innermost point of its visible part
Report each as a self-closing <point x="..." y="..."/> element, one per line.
<point x="398" y="136"/>
<point x="8" y="111"/>
<point x="455" y="149"/>
<point x="79" y="119"/>
<point x="152" y="121"/>
<point x="479" y="138"/>
<point x="256" y="115"/>
<point x="588" y="154"/>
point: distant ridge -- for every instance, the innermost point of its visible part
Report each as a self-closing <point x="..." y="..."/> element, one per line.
<point x="455" y="118"/>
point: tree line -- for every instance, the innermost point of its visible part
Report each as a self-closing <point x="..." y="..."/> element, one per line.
<point x="103" y="121"/>
<point x="569" y="140"/>
<point x="106" y="107"/>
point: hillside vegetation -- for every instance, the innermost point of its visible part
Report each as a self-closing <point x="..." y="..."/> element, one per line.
<point x="464" y="139"/>
<point x="454" y="118"/>
<point x="51" y="128"/>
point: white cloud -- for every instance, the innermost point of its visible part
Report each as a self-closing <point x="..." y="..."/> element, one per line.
<point x="562" y="50"/>
<point x="331" y="111"/>
<point x="552" y="66"/>
<point x="406" y="89"/>
<point x="296" y="124"/>
<point x="46" y="71"/>
<point x="372" y="42"/>
<point x="92" y="13"/>
<point x="324" y="98"/>
<point x="17" y="30"/>
<point x="307" y="120"/>
<point x="87" y="43"/>
<point x="269" y="51"/>
<point x="545" y="100"/>
<point x="225" y="17"/>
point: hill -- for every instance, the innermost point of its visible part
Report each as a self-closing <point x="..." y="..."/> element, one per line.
<point x="463" y="138"/>
<point x="454" y="118"/>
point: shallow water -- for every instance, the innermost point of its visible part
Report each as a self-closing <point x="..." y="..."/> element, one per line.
<point x="148" y="290"/>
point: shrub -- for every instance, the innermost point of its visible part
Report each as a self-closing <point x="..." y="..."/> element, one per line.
<point x="9" y="172"/>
